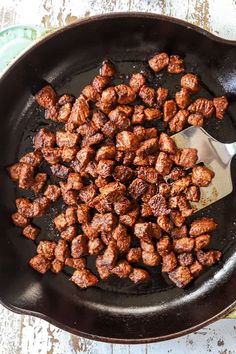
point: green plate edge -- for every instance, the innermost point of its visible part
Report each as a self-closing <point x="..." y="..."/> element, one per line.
<point x="14" y="40"/>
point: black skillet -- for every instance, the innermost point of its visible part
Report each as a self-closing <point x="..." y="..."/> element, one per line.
<point x="115" y="311"/>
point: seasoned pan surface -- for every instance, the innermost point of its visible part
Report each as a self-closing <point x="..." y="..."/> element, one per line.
<point x="114" y="311"/>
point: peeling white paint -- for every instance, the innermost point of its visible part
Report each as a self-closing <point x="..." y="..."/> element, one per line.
<point x="28" y="335"/>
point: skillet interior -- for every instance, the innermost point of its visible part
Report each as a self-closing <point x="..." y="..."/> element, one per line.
<point x="69" y="59"/>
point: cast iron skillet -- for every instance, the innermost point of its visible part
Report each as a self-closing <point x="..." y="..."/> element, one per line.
<point x="114" y="311"/>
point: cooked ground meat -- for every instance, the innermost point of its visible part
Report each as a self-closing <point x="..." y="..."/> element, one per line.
<point x="126" y="188"/>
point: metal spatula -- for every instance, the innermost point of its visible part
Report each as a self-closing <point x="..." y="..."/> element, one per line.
<point x="216" y="156"/>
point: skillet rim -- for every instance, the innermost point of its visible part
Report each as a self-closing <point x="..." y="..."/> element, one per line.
<point x="38" y="42"/>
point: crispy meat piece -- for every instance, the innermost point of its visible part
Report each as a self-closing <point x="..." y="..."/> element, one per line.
<point x="71" y="215"/>
<point x="60" y="222"/>
<point x="164" y="189"/>
<point x="196" y="268"/>
<point x="202" y="176"/>
<point x="126" y="141"/>
<point x="166" y="144"/>
<point x="44" y="138"/>
<point x="40" y="205"/>
<point x="69" y="233"/>
<point x="177" y="123"/>
<point x="184" y="206"/>
<point x="151" y="259"/>
<point x="177" y="218"/>
<point x="100" y="82"/>
<point x="148" y="174"/>
<point x="66" y="99"/>
<point x="84" y="278"/>
<point x="139" y="131"/>
<point x="164" y="245"/>
<point x="179" y="232"/>
<point x="88" y="193"/>
<point x="24" y="207"/>
<point x="105" y="168"/>
<point x="165" y="223"/>
<point x="137" y="81"/>
<point x="66" y="139"/>
<point x="104" y="222"/>
<point x="26" y="176"/>
<point x="176" y="65"/>
<point x="123" y="240"/>
<point x="122" y="269"/>
<point x="89" y="230"/>
<point x="202" y="241"/>
<point x="109" y="129"/>
<point x="190" y="82"/>
<point x="14" y="171"/>
<point x="83" y="213"/>
<point x="185" y="259"/>
<point x="138" y="116"/>
<point x="150" y="133"/>
<point x="152" y="114"/>
<point x="80" y="111"/>
<point x="182" y="98"/>
<point x="196" y="119"/>
<point x="123" y="174"/>
<point x="109" y="257"/>
<point x="64" y="113"/>
<point x="122" y="205"/>
<point x="201" y="226"/>
<point x="207" y="259"/>
<point x="184" y="244"/>
<point x="137" y="188"/>
<point x="52" y="192"/>
<point x="134" y="255"/>
<point x="163" y="164"/>
<point x="91" y="93"/>
<point x="20" y="220"/>
<point x="119" y="118"/>
<point x="173" y="201"/>
<point x="31" y="232"/>
<point x="92" y="140"/>
<point x="52" y="113"/>
<point x="186" y="158"/>
<point x="176" y="173"/>
<point x="143" y="230"/>
<point x="169" y="110"/>
<point x="148" y="95"/>
<point x="148" y="147"/>
<point x="159" y="205"/>
<point x="95" y="246"/>
<point x="52" y="155"/>
<point x="74" y="181"/>
<point x="103" y="270"/>
<point x="47" y="249"/>
<point x="130" y="218"/>
<point x="84" y="156"/>
<point x="56" y="266"/>
<point x="62" y="251"/>
<point x="106" y="153"/>
<point x="39" y="182"/>
<point x="180" y="185"/>
<point x="79" y="246"/>
<point x="139" y="275"/>
<point x="125" y="94"/>
<point x="107" y="69"/>
<point x="113" y="190"/>
<point x="162" y="94"/>
<point x="40" y="263"/>
<point x="169" y="262"/>
<point x="193" y="194"/>
<point x="221" y="104"/>
<point x="181" y="276"/>
<point x="46" y="97"/>
<point x="159" y="62"/>
<point x="60" y="171"/>
<point x="101" y="182"/>
<point x="33" y="158"/>
<point x="202" y="105"/>
<point x="99" y="119"/>
<point x="77" y="263"/>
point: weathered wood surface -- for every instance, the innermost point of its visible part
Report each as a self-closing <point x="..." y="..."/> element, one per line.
<point x="29" y="335"/>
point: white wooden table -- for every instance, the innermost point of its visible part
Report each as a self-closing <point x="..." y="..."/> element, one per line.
<point x="28" y="335"/>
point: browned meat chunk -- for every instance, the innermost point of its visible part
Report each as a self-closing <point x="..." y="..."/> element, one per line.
<point x="134" y="255"/>
<point x="180" y="185"/>
<point x="47" y="249"/>
<point x="182" y="98"/>
<point x="33" y="158"/>
<point x="113" y="190"/>
<point x="190" y="82"/>
<point x="95" y="246"/>
<point x="166" y="144"/>
<point x="173" y="201"/>
<point x="137" y="188"/>
<point x="138" y="115"/>
<point x="87" y="129"/>
<point x="123" y="173"/>
<point x="109" y="129"/>
<point x="122" y="205"/>
<point x="180" y="119"/>
<point x="193" y="194"/>
<point x="40" y="263"/>
<point x="20" y="220"/>
<point x="25" y="208"/>
<point x="92" y="140"/>
<point x="89" y="230"/>
<point x="31" y="232"/>
<point x="69" y="233"/>
<point x="181" y="276"/>
<point x="125" y="94"/>
<point x="14" y="171"/>
<point x="108" y="98"/>
<point x="80" y="111"/>
<point x="137" y="81"/>
<point x="130" y="218"/>
<point x="128" y="158"/>
<point x="184" y="206"/>
<point x="176" y="65"/>
<point x="71" y="215"/>
<point x="159" y="62"/>
<point x="126" y="141"/>
<point x="186" y="158"/>
<point x="177" y="218"/>
<point x="52" y="113"/>
<point x="202" y="226"/>
<point x="163" y="164"/>
<point x="196" y="268"/>
<point x="106" y="153"/>
<point x="162" y="94"/>
<point x="148" y="147"/>
<point x="152" y="114"/>
<point x="176" y="173"/>
<point x="105" y="168"/>
<point x="139" y="131"/>
<point x="51" y="155"/>
<point x="66" y="99"/>
<point x="179" y="232"/>
<point x="107" y="69"/>
<point x="83" y="213"/>
<point x="88" y="193"/>
<point x="62" y="251"/>
<point x="103" y="270"/>
<point x="84" y="278"/>
<point x="150" y="133"/>
<point x="122" y="269"/>
<point x="74" y="181"/>
<point x="91" y="93"/>
<point x="26" y="176"/>
<point x="46" y="97"/>
<point x="146" y="210"/>
<point x="196" y="119"/>
<point x="39" y="182"/>
<point x="202" y="176"/>
<point x="148" y="95"/>
<point x="99" y="119"/>
<point x="165" y="223"/>
<point x="84" y="156"/>
<point x="123" y="240"/>
<point x="159" y="205"/>
<point x="60" y="222"/>
<point x="221" y="104"/>
<point x="207" y="259"/>
<point x="185" y="259"/>
<point x="100" y="82"/>
<point x="202" y="105"/>
<point x="109" y="257"/>
<point x="64" y="113"/>
<point x="52" y="192"/>
<point x="164" y="245"/>
<point x="139" y="275"/>
<point x="169" y="110"/>
<point x="44" y="138"/>
<point x="169" y="262"/>
<point x="79" y="246"/>
<point x="77" y="263"/>
<point x="66" y="139"/>
<point x="60" y="171"/>
<point x="56" y="266"/>
<point x="202" y="241"/>
<point x="184" y="244"/>
<point x="40" y="205"/>
<point x="148" y="174"/>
